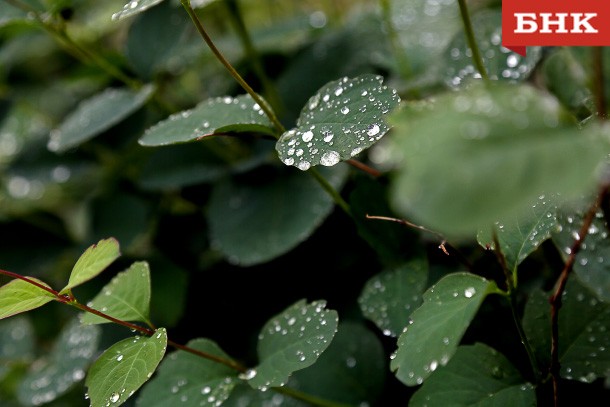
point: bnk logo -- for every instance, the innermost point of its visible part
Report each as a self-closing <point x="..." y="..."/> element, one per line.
<point x="555" y="23"/>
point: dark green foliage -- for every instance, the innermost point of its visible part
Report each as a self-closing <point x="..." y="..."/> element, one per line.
<point x="298" y="203"/>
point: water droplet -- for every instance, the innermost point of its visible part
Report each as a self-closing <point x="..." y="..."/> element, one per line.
<point x="307" y="136"/>
<point x="330" y="158"/>
<point x="469" y="292"/>
<point x="373" y="130"/>
<point x="114" y="397"/>
<point x="304" y="165"/>
<point x="250" y="374"/>
<point x="119" y="358"/>
<point x="206" y="390"/>
<point x="345" y="110"/>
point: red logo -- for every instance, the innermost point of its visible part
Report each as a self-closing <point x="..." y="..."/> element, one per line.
<point x="554" y="23"/>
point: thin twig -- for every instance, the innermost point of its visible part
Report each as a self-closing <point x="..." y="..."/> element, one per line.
<point x="363" y="167"/>
<point x="472" y="43"/>
<point x="555" y="299"/>
<point x="598" y="83"/>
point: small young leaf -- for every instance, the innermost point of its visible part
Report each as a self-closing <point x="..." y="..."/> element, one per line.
<point x="438" y="326"/>
<point x="342" y="119"/>
<point x="389" y="297"/>
<point x="244" y="218"/>
<point x="184" y="377"/>
<point x="477" y="375"/>
<point x="126" y="297"/>
<point x="292" y="340"/>
<point x="123" y="368"/>
<point x="92" y="262"/>
<point x="96" y="115"/>
<point x="134" y="7"/>
<point x="213" y="116"/>
<point x="19" y="296"/>
<point x="520" y="236"/>
<point x="55" y="374"/>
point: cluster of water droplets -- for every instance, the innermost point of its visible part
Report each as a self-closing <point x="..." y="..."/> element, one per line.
<point x="500" y="63"/>
<point x="341" y="120"/>
<point x="193" y="392"/>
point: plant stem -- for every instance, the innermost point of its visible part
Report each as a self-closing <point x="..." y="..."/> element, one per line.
<point x="331" y="191"/>
<point x="598" y="83"/>
<point x="555" y="299"/>
<point x="363" y="167"/>
<point x="472" y="43"/>
<point x="252" y="55"/>
<point x="261" y="102"/>
<point x="35" y="283"/>
<point x="404" y="67"/>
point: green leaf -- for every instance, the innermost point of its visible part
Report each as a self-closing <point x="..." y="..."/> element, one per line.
<point x="477" y="375"/>
<point x="565" y="77"/>
<point x="352" y="369"/>
<point x="124" y="367"/>
<point x="520" y="236"/>
<point x="64" y="366"/>
<point x="126" y="297"/>
<point x="187" y="379"/>
<point x="252" y="224"/>
<point x="18" y="296"/>
<point x="16" y="343"/>
<point x="342" y="119"/>
<point x="591" y="266"/>
<point x="436" y="328"/>
<point x="584" y="332"/>
<point x="92" y="262"/>
<point x="388" y="298"/>
<point x="218" y="115"/>
<point x="96" y="115"/>
<point x="290" y="341"/>
<point x="244" y="395"/>
<point x="504" y="144"/>
<point x="500" y="63"/>
<point x="134" y="7"/>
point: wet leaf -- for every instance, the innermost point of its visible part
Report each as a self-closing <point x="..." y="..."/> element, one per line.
<point x="584" y="332"/>
<point x="592" y="266"/>
<point x="92" y="262"/>
<point x="390" y="297"/>
<point x="123" y="368"/>
<point x="134" y="7"/>
<point x="126" y="297"/>
<point x="244" y="218"/>
<point x="351" y="371"/>
<point x="500" y="63"/>
<point x="64" y="366"/>
<point x="476" y="375"/>
<point x="244" y="395"/>
<point x="218" y="115"/>
<point x="438" y="325"/>
<point x="187" y="379"/>
<point x="291" y="341"/>
<point x="18" y="296"/>
<point x="519" y="237"/>
<point x="96" y="115"/>
<point x="504" y="144"/>
<point x="16" y="343"/>
<point x="564" y="76"/>
<point x="342" y="119"/>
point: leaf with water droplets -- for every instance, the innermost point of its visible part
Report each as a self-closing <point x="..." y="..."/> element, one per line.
<point x="56" y="373"/>
<point x="187" y="379"/>
<point x="584" y="332"/>
<point x="342" y="119"/>
<point x="244" y="395"/>
<point x="437" y="327"/>
<point x="218" y="115"/>
<point x="96" y="115"/>
<point x="592" y="265"/>
<point x="134" y="7"/>
<point x="244" y="218"/>
<point x="388" y="298"/>
<point x="477" y="375"/>
<point x="18" y="296"/>
<point x="504" y="144"/>
<point x="351" y="371"/>
<point x="500" y="63"/>
<point x="92" y="262"/>
<point x="124" y="368"/>
<point x="290" y="341"/>
<point x="16" y="343"/>
<point x="520" y="236"/>
<point x="126" y="297"/>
